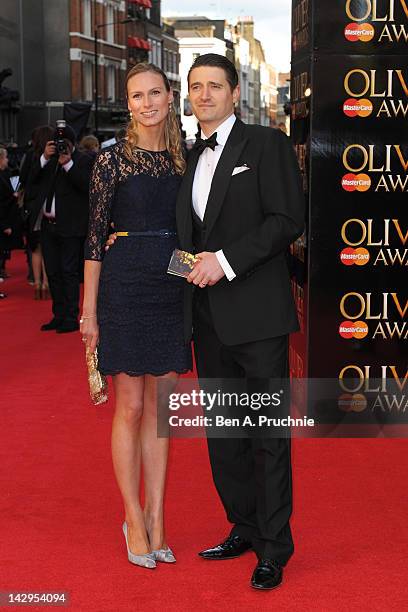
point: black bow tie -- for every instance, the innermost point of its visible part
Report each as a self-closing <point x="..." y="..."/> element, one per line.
<point x="200" y="144"/>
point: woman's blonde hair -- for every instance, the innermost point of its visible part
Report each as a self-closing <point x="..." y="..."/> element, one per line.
<point x="171" y="131"/>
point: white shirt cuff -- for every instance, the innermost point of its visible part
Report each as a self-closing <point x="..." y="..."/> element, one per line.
<point x="43" y="161"/>
<point x="222" y="260"/>
<point x="67" y="167"/>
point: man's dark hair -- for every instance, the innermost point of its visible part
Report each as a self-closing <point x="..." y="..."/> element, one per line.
<point x="217" y="61"/>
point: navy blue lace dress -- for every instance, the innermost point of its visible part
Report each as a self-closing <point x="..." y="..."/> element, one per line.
<point x="140" y="306"/>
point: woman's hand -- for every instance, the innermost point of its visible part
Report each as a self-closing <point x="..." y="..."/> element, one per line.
<point x="110" y="241"/>
<point x="89" y="329"/>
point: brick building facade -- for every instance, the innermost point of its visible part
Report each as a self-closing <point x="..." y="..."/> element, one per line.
<point x="103" y="17"/>
<point x="49" y="46"/>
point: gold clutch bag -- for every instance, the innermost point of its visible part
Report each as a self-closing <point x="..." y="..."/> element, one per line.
<point x="98" y="385"/>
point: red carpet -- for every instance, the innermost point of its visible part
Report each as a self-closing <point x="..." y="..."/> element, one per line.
<point x="61" y="512"/>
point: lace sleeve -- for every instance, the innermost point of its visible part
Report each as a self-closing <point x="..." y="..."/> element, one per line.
<point x="101" y="195"/>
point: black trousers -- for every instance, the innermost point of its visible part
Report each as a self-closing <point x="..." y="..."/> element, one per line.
<point x="252" y="475"/>
<point x="61" y="259"/>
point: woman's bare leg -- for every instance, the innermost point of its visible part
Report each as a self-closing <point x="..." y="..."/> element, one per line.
<point x="36" y="262"/>
<point x="154" y="456"/>
<point x="44" y="273"/>
<point x="126" y="455"/>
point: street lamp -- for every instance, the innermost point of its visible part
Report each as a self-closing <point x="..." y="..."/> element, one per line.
<point x="96" y="28"/>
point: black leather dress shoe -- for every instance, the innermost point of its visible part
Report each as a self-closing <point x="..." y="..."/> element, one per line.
<point x="67" y="327"/>
<point x="232" y="547"/>
<point x="267" y="574"/>
<point x="51" y="326"/>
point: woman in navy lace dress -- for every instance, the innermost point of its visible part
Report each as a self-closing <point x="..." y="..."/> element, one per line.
<point x="132" y="308"/>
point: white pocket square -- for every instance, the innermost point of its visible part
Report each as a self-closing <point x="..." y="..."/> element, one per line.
<point x="239" y="169"/>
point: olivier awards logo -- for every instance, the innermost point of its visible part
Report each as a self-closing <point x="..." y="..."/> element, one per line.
<point x="300" y="100"/>
<point x="377" y="388"/>
<point x="381" y="21"/>
<point x="374" y="316"/>
<point x="381" y="242"/>
<point x="380" y="167"/>
<point x="379" y="91"/>
<point x="300" y="25"/>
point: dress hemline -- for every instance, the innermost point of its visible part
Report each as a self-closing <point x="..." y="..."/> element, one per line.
<point x="115" y="372"/>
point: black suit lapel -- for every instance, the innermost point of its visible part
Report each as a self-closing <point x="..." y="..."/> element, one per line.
<point x="184" y="203"/>
<point x="222" y="176"/>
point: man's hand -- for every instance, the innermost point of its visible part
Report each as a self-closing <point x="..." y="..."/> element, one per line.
<point x="64" y="158"/>
<point x="49" y="150"/>
<point x="8" y="231"/>
<point x="207" y="270"/>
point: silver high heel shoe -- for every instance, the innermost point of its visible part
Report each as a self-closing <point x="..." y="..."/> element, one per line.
<point x="165" y="555"/>
<point x="146" y="560"/>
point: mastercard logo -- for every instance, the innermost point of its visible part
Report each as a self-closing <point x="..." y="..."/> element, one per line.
<point x="350" y="256"/>
<point x="364" y="32"/>
<point x="357" y="108"/>
<point x="352" y="402"/>
<point x="356" y="182"/>
<point x="353" y="329"/>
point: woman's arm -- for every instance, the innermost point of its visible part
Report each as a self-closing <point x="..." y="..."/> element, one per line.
<point x="89" y="322"/>
<point x="101" y="196"/>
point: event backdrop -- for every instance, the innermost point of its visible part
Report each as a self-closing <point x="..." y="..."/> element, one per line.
<point x="349" y="98"/>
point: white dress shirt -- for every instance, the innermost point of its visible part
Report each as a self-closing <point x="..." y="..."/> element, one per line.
<point x="67" y="167"/>
<point x="203" y="177"/>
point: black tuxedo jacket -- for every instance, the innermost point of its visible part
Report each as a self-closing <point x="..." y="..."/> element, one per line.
<point x="71" y="193"/>
<point x="7" y="201"/>
<point x="9" y="214"/>
<point x="253" y="217"/>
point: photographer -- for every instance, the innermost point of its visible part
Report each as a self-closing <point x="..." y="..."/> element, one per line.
<point x="63" y="174"/>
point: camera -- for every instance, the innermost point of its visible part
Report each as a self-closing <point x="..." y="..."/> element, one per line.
<point x="60" y="144"/>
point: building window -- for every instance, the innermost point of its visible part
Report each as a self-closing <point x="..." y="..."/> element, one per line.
<point x="155" y="53"/>
<point x="87" y="68"/>
<point x="110" y="18"/>
<point x="86" y="18"/>
<point x="110" y="83"/>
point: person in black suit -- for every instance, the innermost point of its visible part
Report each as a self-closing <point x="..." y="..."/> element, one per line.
<point x="239" y="208"/>
<point x="10" y="234"/>
<point x="29" y="192"/>
<point x="63" y="185"/>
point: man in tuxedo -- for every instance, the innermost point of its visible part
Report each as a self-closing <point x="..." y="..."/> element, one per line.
<point x="239" y="208"/>
<point x="63" y="185"/>
<point x="10" y="236"/>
